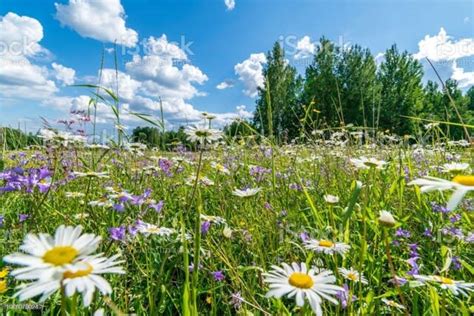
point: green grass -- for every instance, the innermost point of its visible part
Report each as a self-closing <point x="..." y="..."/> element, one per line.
<point x="265" y="228"/>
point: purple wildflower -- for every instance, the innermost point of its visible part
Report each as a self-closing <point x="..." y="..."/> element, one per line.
<point x="455" y="218"/>
<point x="157" y="206"/>
<point x="218" y="276"/>
<point x="23" y="217"/>
<point x="437" y="208"/>
<point x="119" y="207"/>
<point x="304" y="236"/>
<point x="469" y="238"/>
<point x="402" y="233"/>
<point x="456" y="262"/>
<point x="414" y="266"/>
<point x="165" y="166"/>
<point x="428" y="232"/>
<point x="236" y="300"/>
<point x="117" y="233"/>
<point x="343" y="296"/>
<point x="205" y="227"/>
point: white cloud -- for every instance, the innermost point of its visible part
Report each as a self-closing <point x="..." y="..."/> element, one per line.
<point x="19" y="77"/>
<point x="304" y="48"/>
<point x="243" y="113"/>
<point x="103" y="20"/>
<point x="230" y="4"/>
<point x="442" y="47"/>
<point x="64" y="74"/>
<point x="161" y="73"/>
<point x="226" y="84"/>
<point x="20" y="35"/>
<point x="250" y="73"/>
<point x="464" y="79"/>
<point x="127" y="87"/>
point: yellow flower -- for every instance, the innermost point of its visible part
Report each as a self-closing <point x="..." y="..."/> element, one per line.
<point x="3" y="286"/>
<point x="3" y="273"/>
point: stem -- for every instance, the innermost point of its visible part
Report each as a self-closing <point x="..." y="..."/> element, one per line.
<point x="197" y="236"/>
<point x="63" y="301"/>
<point x="392" y="270"/>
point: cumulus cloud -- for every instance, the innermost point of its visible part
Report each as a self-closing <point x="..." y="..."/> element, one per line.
<point x="127" y="87"/>
<point x="19" y="77"/>
<point x="250" y="72"/>
<point x="103" y="20"/>
<point x="226" y="84"/>
<point x="304" y="48"/>
<point x="464" y="79"/>
<point x="161" y="73"/>
<point x="63" y="74"/>
<point x="442" y="47"/>
<point x="243" y="113"/>
<point x="230" y="4"/>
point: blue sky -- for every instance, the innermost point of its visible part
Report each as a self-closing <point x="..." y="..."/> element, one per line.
<point x="218" y="40"/>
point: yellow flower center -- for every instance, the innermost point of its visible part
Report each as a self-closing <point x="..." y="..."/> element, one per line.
<point x="153" y="230"/>
<point x="446" y="280"/>
<point x="3" y="273"/>
<point x="60" y="255"/>
<point x="3" y="286"/>
<point x="78" y="273"/>
<point x="464" y="180"/>
<point x="326" y="243"/>
<point x="301" y="280"/>
<point x="352" y="276"/>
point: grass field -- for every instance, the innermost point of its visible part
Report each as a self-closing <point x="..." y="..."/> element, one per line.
<point x="200" y="232"/>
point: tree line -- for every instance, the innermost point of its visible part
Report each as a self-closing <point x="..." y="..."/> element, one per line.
<point x="345" y="86"/>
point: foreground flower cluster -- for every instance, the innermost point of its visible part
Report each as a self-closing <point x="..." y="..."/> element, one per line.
<point x="65" y="260"/>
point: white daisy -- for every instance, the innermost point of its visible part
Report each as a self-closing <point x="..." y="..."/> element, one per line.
<point x="327" y="246"/>
<point x="455" y="167"/>
<point x="220" y="168"/>
<point x="299" y="282"/>
<point x="246" y="192"/>
<point x="103" y="202"/>
<point x="150" y="229"/>
<point x="460" y="184"/>
<point x="386" y="219"/>
<point x="367" y="163"/>
<point x="73" y="195"/>
<point x="46" y="255"/>
<point x="353" y="275"/>
<point x="85" y="278"/>
<point x="331" y="199"/>
<point x="97" y="146"/>
<point x="203" y="134"/>
<point x="212" y="219"/>
<point x="394" y="304"/>
<point x="90" y="174"/>
<point x="203" y="180"/>
<point x="456" y="287"/>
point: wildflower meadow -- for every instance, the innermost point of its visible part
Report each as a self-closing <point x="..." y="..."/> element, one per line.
<point x="236" y="157"/>
<point x="342" y="225"/>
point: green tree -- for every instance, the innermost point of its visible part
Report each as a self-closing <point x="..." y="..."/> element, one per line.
<point x="321" y="88"/>
<point x="280" y="94"/>
<point x="357" y="85"/>
<point x="401" y="90"/>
